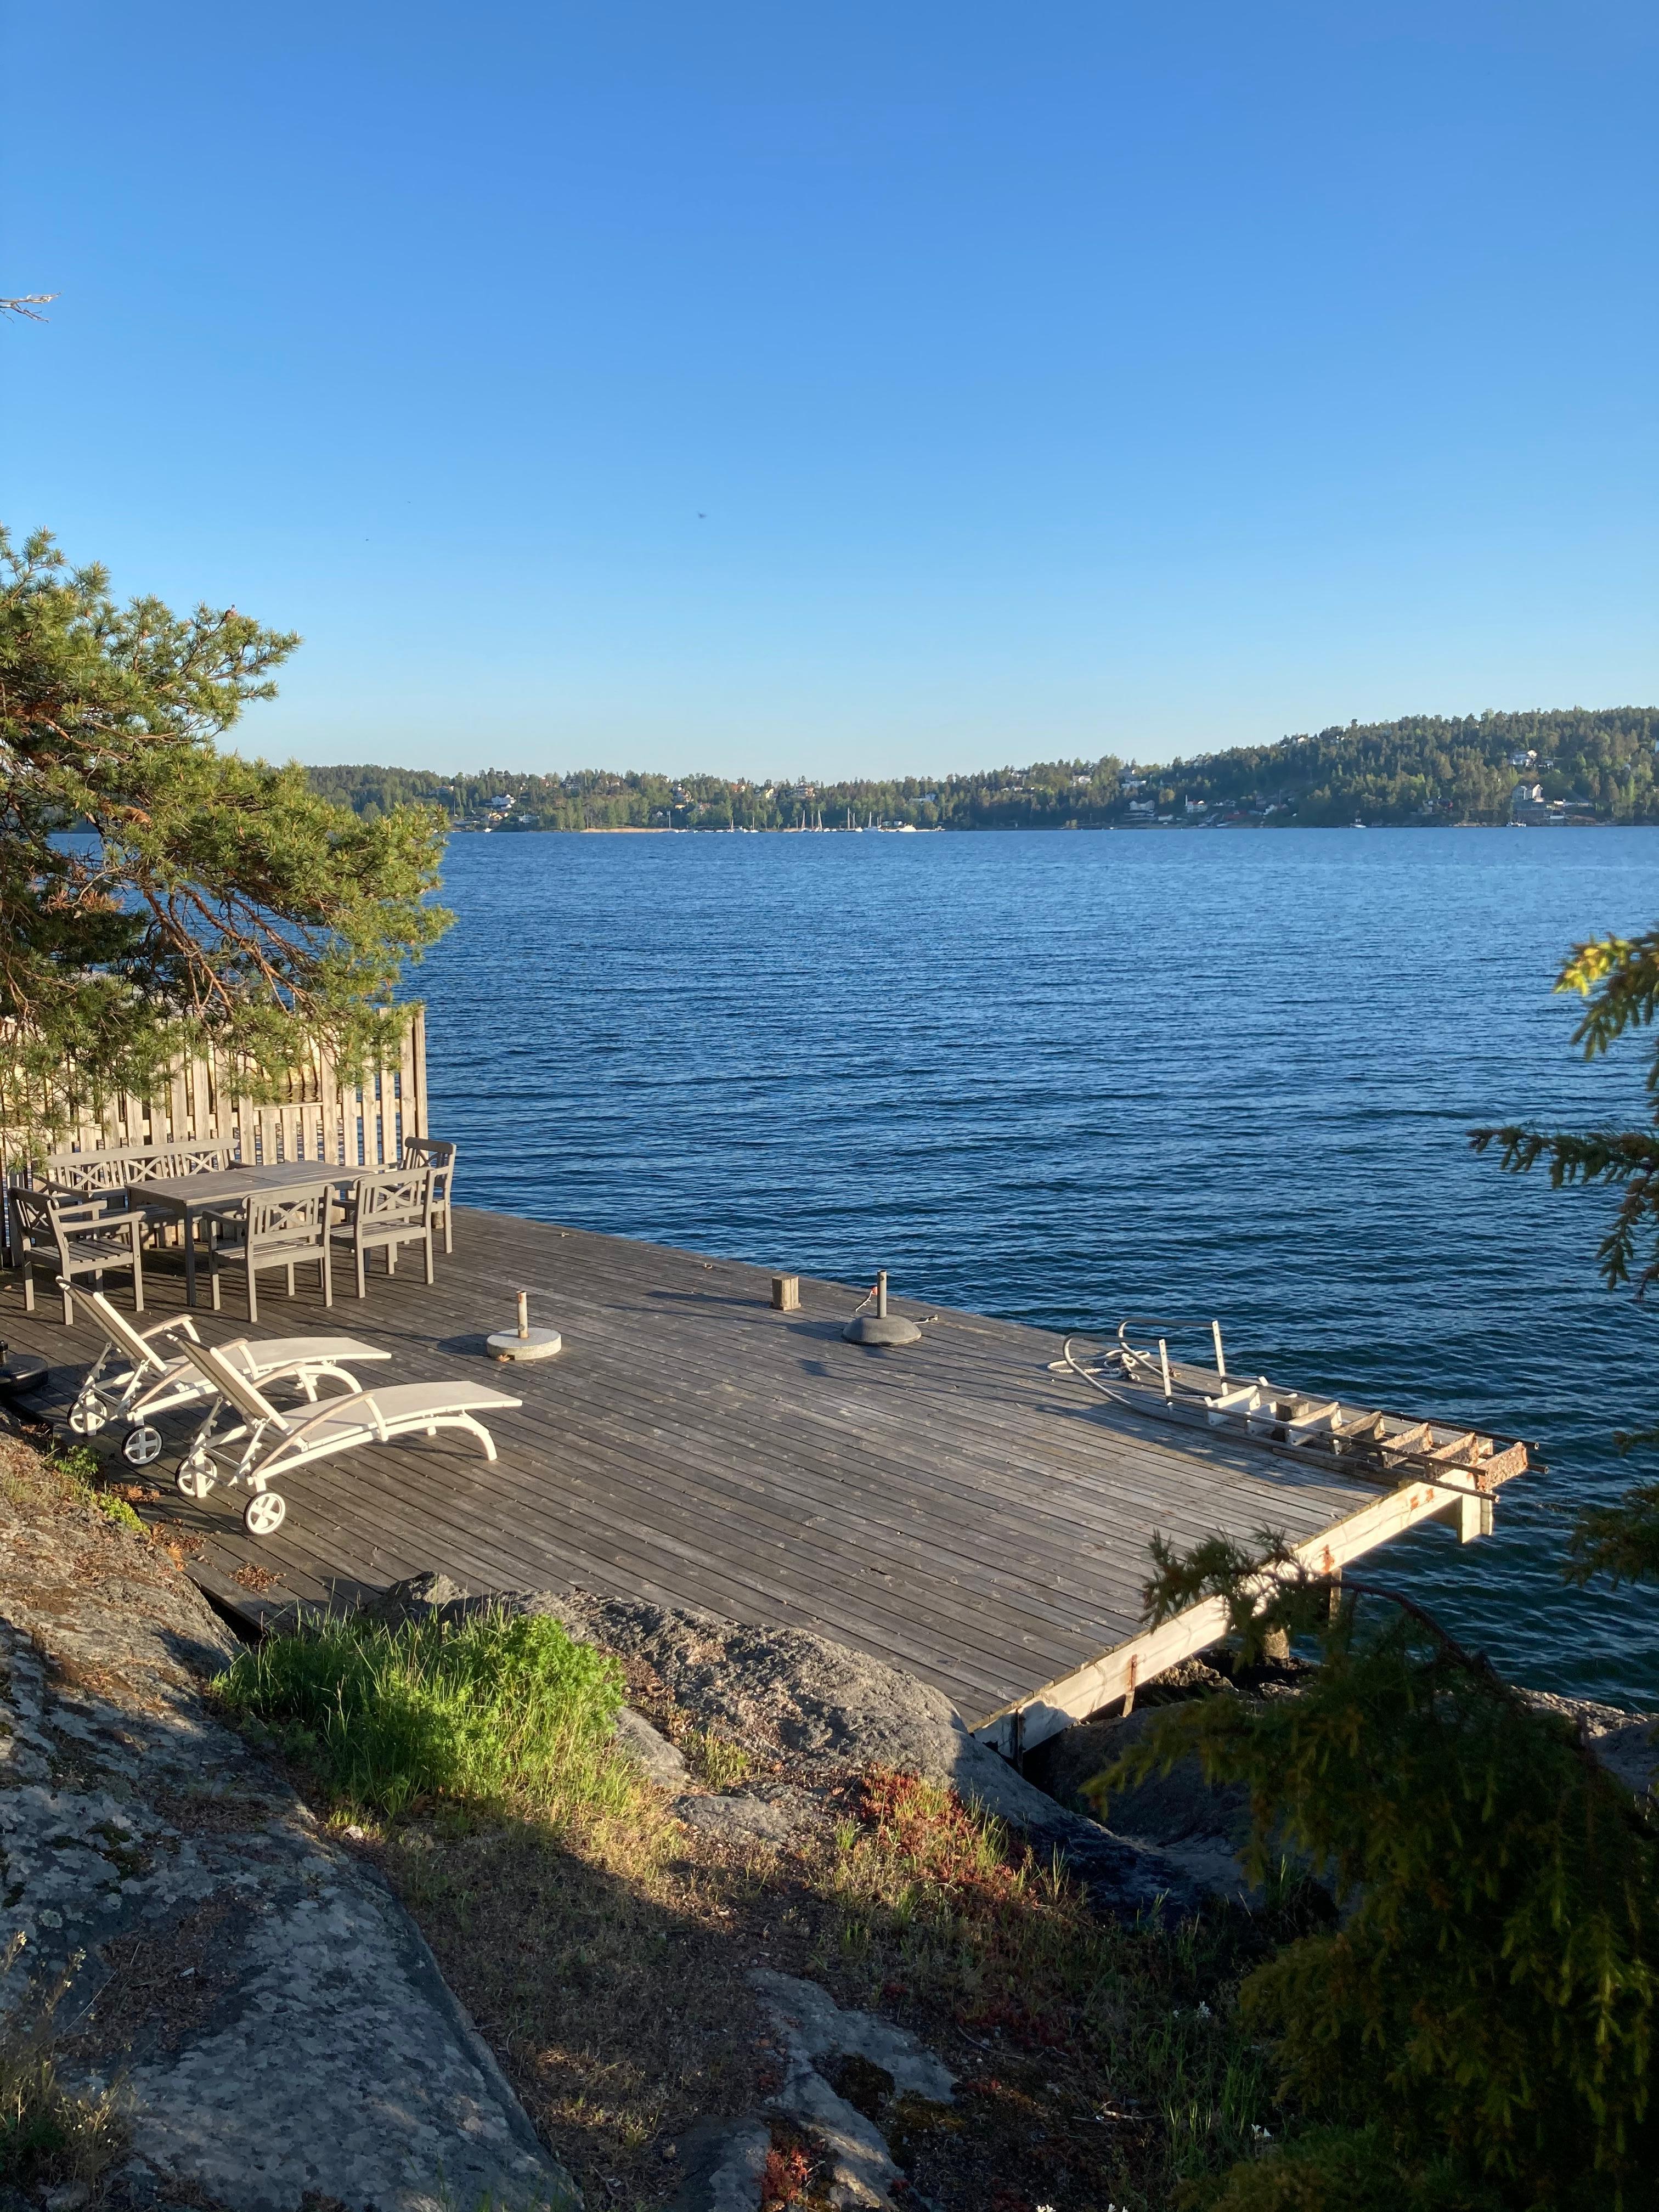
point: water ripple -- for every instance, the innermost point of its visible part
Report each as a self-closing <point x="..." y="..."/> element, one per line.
<point x="1061" y="1077"/>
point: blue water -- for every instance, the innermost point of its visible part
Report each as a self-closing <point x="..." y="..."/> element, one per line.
<point x="1059" y="1077"/>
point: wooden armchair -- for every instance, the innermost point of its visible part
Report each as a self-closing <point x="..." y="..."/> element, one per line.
<point x="74" y="1236"/>
<point x="439" y="1155"/>
<point x="387" y="1210"/>
<point x="285" y="1230"/>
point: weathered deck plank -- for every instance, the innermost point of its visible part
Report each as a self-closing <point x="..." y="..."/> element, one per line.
<point x="953" y="1507"/>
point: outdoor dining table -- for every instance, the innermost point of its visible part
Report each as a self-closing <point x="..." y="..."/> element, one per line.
<point x="188" y="1195"/>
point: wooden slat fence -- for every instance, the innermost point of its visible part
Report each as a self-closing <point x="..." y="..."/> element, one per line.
<point x="319" y="1117"/>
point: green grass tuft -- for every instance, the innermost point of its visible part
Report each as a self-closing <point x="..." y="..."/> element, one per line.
<point x="716" y="1760"/>
<point x="118" y="1513"/>
<point x="47" y="2133"/>
<point x="81" y="1474"/>
<point x="78" y="1465"/>
<point x="494" y="1707"/>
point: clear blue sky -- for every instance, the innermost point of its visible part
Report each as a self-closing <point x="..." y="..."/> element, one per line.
<point x="856" y="387"/>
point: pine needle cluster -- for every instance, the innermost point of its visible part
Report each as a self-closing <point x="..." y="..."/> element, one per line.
<point x="157" y="893"/>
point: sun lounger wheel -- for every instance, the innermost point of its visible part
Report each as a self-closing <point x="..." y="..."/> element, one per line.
<point x="265" y="1513"/>
<point x="88" y="1414"/>
<point x="141" y="1445"/>
<point x="195" y="1478"/>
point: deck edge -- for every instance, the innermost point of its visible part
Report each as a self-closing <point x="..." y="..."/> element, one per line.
<point x="1024" y="1723"/>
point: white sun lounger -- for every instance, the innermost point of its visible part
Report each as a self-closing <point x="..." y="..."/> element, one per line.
<point x="277" y="1442"/>
<point x="157" y="1379"/>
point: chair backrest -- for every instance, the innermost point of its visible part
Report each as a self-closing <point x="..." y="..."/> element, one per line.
<point x="88" y="1171"/>
<point x="42" y="1214"/>
<point x="171" y="1160"/>
<point x="395" y="1198"/>
<point x="434" y="1152"/>
<point x="123" y="1335"/>
<point x="281" y="1220"/>
<point x="249" y="1401"/>
<point x="34" y="1211"/>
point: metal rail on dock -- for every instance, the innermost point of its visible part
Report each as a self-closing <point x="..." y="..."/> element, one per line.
<point x="1340" y="1434"/>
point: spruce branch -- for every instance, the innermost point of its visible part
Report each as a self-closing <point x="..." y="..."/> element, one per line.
<point x="1621" y="1541"/>
<point x="1618" y="978"/>
<point x="1481" y="1989"/>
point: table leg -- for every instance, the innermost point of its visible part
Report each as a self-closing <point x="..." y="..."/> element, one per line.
<point x="189" y="1259"/>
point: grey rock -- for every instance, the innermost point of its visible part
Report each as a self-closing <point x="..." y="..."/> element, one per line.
<point x="1626" y="1744"/>
<point x="724" y="2165"/>
<point x="1210" y="1866"/>
<point x="344" y="2070"/>
<point x="661" y="1761"/>
<point x="812" y="2027"/>
<point x="431" y="1590"/>
<point x="1121" y="1874"/>
<point x="1168" y="1808"/>
<point x="313" y="2045"/>
<point x="812" y="1698"/>
<point x="810" y="2020"/>
<point x="1198" y="1826"/>
<point x="863" y="2172"/>
<point x="1630" y="1754"/>
<point x="134" y="2185"/>
<point x="737" y="1820"/>
<point x="420" y="1597"/>
<point x="824" y="1707"/>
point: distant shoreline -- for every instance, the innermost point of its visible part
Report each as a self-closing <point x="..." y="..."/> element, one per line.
<point x="1009" y="829"/>
<point x="1541" y="767"/>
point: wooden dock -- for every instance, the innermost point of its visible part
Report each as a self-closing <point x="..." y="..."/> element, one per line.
<point x="953" y="1508"/>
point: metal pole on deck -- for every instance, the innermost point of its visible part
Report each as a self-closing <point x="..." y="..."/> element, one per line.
<point x="881" y="1327"/>
<point x="524" y="1342"/>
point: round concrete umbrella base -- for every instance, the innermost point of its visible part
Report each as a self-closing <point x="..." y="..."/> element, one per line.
<point x="539" y="1343"/>
<point x="881" y="1328"/>
<point x="22" y="1373"/>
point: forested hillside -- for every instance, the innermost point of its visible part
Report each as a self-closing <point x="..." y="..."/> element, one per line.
<point x="1586" y="764"/>
<point x="1427" y="768"/>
